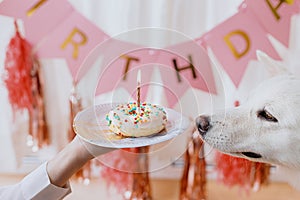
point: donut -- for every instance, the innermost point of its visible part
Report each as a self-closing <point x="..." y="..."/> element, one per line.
<point x="129" y="120"/>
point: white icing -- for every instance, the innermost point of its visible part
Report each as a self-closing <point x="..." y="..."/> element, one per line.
<point x="128" y="121"/>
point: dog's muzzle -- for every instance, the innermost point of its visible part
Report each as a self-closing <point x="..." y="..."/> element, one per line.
<point x="203" y="124"/>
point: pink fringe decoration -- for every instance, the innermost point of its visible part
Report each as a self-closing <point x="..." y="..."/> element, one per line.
<point x="127" y="170"/>
<point x="238" y="171"/>
<point x="18" y="80"/>
<point x="193" y="180"/>
<point x="24" y="83"/>
<point x="233" y="171"/>
<point x="117" y="168"/>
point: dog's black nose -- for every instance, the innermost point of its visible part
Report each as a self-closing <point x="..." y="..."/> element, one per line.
<point x="203" y="124"/>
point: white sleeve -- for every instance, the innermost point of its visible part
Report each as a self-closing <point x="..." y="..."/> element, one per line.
<point x="35" y="186"/>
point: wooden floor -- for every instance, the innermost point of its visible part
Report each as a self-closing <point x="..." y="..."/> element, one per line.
<point x="216" y="191"/>
<point x="169" y="190"/>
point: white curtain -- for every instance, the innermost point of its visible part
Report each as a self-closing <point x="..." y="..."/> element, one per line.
<point x="191" y="18"/>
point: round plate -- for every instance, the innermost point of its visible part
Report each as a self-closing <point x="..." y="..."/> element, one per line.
<point x="91" y="125"/>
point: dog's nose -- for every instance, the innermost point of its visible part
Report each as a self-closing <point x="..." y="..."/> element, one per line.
<point x="203" y="124"/>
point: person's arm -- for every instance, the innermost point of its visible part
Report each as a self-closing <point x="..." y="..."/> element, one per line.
<point x="50" y="180"/>
<point x="68" y="161"/>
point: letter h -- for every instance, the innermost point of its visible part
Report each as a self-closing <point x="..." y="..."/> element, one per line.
<point x="190" y="66"/>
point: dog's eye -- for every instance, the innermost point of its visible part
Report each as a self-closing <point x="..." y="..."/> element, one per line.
<point x="267" y="116"/>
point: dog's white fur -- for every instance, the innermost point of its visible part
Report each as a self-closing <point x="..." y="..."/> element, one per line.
<point x="245" y="128"/>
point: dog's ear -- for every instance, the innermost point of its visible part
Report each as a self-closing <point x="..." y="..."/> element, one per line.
<point x="273" y="66"/>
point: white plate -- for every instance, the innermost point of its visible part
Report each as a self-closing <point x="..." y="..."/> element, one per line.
<point x="91" y="125"/>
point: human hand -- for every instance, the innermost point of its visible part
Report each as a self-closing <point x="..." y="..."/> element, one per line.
<point x="91" y="149"/>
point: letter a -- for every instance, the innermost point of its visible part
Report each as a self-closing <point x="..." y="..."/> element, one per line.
<point x="274" y="9"/>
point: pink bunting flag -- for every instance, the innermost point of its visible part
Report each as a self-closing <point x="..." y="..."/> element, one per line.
<point x="235" y="41"/>
<point x="40" y="17"/>
<point x="122" y="71"/>
<point x="185" y="65"/>
<point x="73" y="40"/>
<point x="275" y="16"/>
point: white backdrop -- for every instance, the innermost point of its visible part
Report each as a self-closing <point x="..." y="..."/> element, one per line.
<point x="189" y="17"/>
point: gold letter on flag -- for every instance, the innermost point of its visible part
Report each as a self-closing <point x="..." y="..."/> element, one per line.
<point x="190" y="66"/>
<point x="35" y="7"/>
<point x="236" y="53"/>
<point x="275" y="8"/>
<point x="128" y="60"/>
<point x="74" y="43"/>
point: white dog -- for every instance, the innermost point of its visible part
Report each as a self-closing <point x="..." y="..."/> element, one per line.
<point x="264" y="129"/>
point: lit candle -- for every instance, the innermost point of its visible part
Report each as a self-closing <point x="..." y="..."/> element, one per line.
<point x="139" y="77"/>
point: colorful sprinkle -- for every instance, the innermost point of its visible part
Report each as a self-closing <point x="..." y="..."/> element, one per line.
<point x="108" y="120"/>
<point x="141" y="115"/>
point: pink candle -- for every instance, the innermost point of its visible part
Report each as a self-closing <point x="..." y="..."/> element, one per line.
<point x="139" y="88"/>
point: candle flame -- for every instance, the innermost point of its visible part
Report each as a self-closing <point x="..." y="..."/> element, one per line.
<point x="139" y="76"/>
